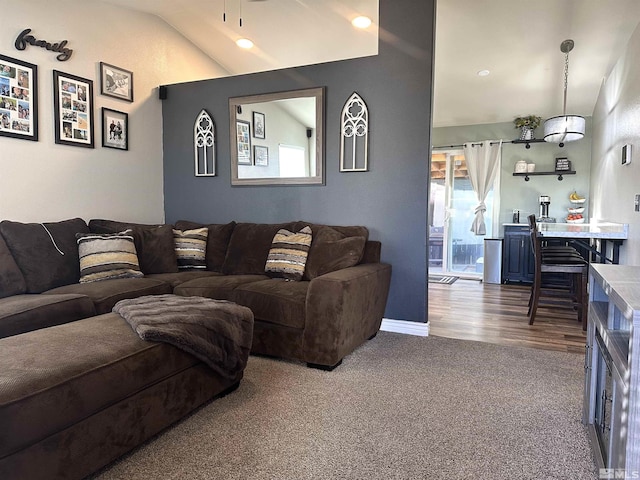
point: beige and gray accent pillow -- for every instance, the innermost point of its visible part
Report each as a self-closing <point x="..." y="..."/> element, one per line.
<point x="191" y="248"/>
<point x="288" y="254"/>
<point x="107" y="256"/>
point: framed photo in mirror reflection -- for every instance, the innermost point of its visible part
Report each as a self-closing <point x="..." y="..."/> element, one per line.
<point x="261" y="156"/>
<point x="243" y="136"/>
<point x="258" y="125"/>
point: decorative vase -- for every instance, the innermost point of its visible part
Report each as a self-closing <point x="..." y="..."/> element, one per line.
<point x="520" y="167"/>
<point x="526" y="133"/>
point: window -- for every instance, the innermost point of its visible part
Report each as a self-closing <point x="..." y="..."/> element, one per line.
<point x="292" y="161"/>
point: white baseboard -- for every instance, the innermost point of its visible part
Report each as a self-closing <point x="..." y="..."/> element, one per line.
<point x="402" y="326"/>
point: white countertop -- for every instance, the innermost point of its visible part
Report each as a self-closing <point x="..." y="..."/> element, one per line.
<point x="605" y="230"/>
<point x="622" y="282"/>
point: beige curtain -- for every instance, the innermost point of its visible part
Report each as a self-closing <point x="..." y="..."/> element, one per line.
<point x="483" y="161"/>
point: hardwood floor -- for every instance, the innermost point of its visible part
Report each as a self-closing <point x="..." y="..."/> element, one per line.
<point x="472" y="310"/>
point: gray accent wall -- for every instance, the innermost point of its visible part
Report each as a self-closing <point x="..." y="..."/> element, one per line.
<point x="390" y="199"/>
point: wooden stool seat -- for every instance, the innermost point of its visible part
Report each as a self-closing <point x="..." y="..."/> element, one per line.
<point x="567" y="263"/>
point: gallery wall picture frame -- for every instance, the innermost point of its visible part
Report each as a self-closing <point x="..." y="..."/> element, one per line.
<point x="115" y="129"/>
<point x="243" y="132"/>
<point x="260" y="156"/>
<point x="73" y="107"/>
<point x="18" y="99"/>
<point x="116" y="82"/>
<point x="259" y="125"/>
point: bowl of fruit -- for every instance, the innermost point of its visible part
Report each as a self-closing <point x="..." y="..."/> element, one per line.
<point x="575" y="218"/>
<point x="577" y="199"/>
<point x="576" y="210"/>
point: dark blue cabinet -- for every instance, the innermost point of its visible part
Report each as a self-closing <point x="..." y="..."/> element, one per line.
<point x="518" y="264"/>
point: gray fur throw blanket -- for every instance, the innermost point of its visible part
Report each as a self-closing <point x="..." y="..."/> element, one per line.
<point x="217" y="332"/>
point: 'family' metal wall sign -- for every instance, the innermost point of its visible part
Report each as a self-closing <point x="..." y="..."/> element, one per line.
<point x="24" y="38"/>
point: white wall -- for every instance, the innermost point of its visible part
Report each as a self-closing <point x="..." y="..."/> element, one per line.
<point x="616" y="121"/>
<point x="42" y="181"/>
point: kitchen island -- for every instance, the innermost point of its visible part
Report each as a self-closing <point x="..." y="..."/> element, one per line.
<point x="595" y="236"/>
<point x="600" y="241"/>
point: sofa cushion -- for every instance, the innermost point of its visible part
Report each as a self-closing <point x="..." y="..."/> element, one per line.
<point x="288" y="254"/>
<point x="11" y="278"/>
<point x="331" y="250"/>
<point x="178" y="278"/>
<point x="156" y="249"/>
<point x="346" y="230"/>
<point x="249" y="246"/>
<point x="99" y="225"/>
<point x="54" y="378"/>
<point x="274" y="301"/>
<point x="105" y="256"/>
<point x="154" y="243"/>
<point x="107" y="293"/>
<point x="191" y="248"/>
<point x="46" y="253"/>
<point x="23" y="313"/>
<point x="217" y="241"/>
<point x="218" y="287"/>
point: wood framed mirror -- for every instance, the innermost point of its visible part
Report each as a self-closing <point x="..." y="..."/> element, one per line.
<point x="277" y="138"/>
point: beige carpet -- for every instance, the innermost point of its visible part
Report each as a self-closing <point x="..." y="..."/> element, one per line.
<point x="400" y="407"/>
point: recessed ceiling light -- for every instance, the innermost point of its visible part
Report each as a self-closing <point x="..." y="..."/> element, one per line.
<point x="244" y="43"/>
<point x="361" y="22"/>
<point x="483" y="73"/>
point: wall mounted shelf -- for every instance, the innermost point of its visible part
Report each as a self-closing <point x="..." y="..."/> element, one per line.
<point x="526" y="175"/>
<point x="527" y="143"/>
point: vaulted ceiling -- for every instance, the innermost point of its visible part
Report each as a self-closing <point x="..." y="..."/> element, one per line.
<point x="517" y="41"/>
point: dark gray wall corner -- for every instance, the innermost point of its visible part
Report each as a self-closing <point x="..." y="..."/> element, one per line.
<point x="390" y="199"/>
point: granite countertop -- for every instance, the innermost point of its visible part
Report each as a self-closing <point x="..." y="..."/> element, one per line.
<point x="606" y="230"/>
<point x="594" y="229"/>
<point x="621" y="282"/>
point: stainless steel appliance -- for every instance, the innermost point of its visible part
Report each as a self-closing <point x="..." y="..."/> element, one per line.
<point x="492" y="271"/>
<point x="544" y="217"/>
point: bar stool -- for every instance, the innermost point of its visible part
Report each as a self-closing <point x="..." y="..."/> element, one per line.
<point x="573" y="266"/>
<point x="552" y="249"/>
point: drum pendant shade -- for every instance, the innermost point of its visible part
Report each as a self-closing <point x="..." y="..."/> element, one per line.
<point x="564" y="128"/>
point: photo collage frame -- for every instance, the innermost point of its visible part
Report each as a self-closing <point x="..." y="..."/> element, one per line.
<point x="73" y="104"/>
<point x="18" y="99"/>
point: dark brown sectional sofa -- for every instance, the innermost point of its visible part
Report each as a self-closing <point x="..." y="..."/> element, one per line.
<point x="78" y="388"/>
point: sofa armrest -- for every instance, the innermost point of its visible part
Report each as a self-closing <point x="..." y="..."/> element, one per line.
<point x="343" y="309"/>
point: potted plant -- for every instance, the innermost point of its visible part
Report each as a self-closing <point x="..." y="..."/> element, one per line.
<point x="527" y="125"/>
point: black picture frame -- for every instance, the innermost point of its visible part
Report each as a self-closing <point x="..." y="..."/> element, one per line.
<point x="243" y="141"/>
<point x="260" y="156"/>
<point x="18" y="99"/>
<point x="115" y="129"/>
<point x="73" y="107"/>
<point x="259" y="125"/>
<point x="116" y="82"/>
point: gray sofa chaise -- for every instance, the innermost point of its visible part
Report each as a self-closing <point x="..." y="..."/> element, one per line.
<point x="98" y="389"/>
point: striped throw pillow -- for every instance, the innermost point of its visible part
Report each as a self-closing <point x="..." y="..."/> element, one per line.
<point x="107" y="256"/>
<point x="191" y="248"/>
<point x="288" y="255"/>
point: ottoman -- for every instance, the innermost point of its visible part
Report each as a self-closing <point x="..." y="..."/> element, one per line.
<point x="75" y="397"/>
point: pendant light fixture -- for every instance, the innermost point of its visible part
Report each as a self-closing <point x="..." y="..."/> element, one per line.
<point x="564" y="128"/>
<point x="224" y="12"/>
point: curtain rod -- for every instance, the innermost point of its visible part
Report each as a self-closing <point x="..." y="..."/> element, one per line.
<point x="473" y="144"/>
